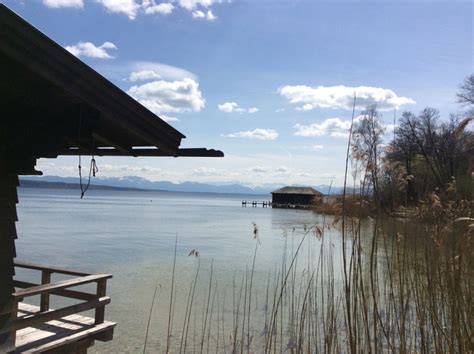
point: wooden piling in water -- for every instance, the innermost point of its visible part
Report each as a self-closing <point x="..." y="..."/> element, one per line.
<point x="254" y="203"/>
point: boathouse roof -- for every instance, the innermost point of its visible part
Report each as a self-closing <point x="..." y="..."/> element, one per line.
<point x="54" y="104"/>
<point x="297" y="190"/>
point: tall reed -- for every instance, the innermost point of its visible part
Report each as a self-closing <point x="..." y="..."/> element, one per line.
<point x="408" y="289"/>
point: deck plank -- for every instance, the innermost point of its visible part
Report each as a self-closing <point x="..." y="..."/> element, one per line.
<point x="56" y="333"/>
<point x="27" y="309"/>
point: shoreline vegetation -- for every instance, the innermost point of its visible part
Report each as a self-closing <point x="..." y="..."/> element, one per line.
<point x="402" y="284"/>
<point x="427" y="165"/>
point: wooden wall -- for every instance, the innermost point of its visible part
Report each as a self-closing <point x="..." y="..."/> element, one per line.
<point x="8" y="217"/>
<point x="296" y="199"/>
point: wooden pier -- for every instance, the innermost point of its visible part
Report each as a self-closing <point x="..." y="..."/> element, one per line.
<point x="43" y="329"/>
<point x="255" y="203"/>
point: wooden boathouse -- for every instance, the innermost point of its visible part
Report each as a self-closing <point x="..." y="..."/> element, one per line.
<point x="53" y="104"/>
<point x="294" y="197"/>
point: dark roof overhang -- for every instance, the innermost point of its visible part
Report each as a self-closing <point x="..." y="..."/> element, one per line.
<point x="54" y="104"/>
<point x="297" y="190"/>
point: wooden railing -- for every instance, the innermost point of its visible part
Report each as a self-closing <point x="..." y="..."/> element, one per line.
<point x="96" y="300"/>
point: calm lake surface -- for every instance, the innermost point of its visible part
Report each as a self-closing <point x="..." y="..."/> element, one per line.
<point x="132" y="235"/>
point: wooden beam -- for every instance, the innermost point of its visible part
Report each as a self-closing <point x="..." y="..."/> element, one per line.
<point x="35" y="266"/>
<point x="187" y="152"/>
<point x="73" y="294"/>
<point x="9" y="199"/>
<point x="108" y="142"/>
<point x="63" y="284"/>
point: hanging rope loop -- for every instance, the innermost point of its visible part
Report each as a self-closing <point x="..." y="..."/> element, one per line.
<point x="93" y="169"/>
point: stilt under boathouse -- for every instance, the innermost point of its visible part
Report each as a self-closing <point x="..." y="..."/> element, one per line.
<point x="53" y="104"/>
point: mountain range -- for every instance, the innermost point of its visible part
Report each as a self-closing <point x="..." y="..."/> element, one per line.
<point x="135" y="182"/>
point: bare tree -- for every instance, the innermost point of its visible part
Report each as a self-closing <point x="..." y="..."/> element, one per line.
<point x="403" y="149"/>
<point x="466" y="93"/>
<point x="367" y="137"/>
<point x="434" y="154"/>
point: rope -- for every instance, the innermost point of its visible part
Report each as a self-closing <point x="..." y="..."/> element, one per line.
<point x="93" y="169"/>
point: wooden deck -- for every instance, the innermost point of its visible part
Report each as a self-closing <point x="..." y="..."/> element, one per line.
<point x="36" y="329"/>
<point x="54" y="334"/>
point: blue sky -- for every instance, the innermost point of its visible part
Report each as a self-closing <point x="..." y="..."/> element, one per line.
<point x="267" y="82"/>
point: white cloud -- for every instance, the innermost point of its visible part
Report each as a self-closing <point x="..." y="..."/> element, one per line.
<point x="204" y="15"/>
<point x="192" y="4"/>
<point x="204" y="171"/>
<point x="342" y="97"/>
<point x="128" y="169"/>
<point x="317" y="147"/>
<point x="229" y="107"/>
<point x="169" y="96"/>
<point x="256" y="172"/>
<point x="198" y="14"/>
<point x="260" y="134"/>
<point x="64" y="3"/>
<point x="259" y="169"/>
<point x="306" y="107"/>
<point x="165" y="71"/>
<point x="272" y="172"/>
<point x="151" y="8"/>
<point x="233" y="107"/>
<point x="334" y="127"/>
<point x="210" y="16"/>
<point x="167" y="118"/>
<point x="279" y="110"/>
<point x="127" y="7"/>
<point x="282" y="169"/>
<point x="132" y="8"/>
<point x="144" y="75"/>
<point x="88" y="49"/>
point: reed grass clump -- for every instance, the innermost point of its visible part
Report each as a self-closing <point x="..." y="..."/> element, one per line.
<point x="407" y="286"/>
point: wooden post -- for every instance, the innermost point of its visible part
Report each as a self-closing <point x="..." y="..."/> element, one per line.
<point x="101" y="291"/>
<point x="13" y="317"/>
<point x="8" y="217"/>
<point x="45" y="279"/>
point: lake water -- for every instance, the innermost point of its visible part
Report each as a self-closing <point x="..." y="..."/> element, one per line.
<point x="132" y="235"/>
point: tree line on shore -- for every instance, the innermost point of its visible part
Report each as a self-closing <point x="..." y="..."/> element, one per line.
<point x="427" y="157"/>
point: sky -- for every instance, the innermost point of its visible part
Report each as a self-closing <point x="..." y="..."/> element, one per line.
<point x="268" y="82"/>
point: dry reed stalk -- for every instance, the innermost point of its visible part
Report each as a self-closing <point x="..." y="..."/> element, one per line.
<point x="172" y="295"/>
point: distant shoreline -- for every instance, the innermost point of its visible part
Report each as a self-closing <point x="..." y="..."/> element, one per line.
<point x="135" y="183"/>
<point x="75" y="186"/>
<point x="64" y="185"/>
